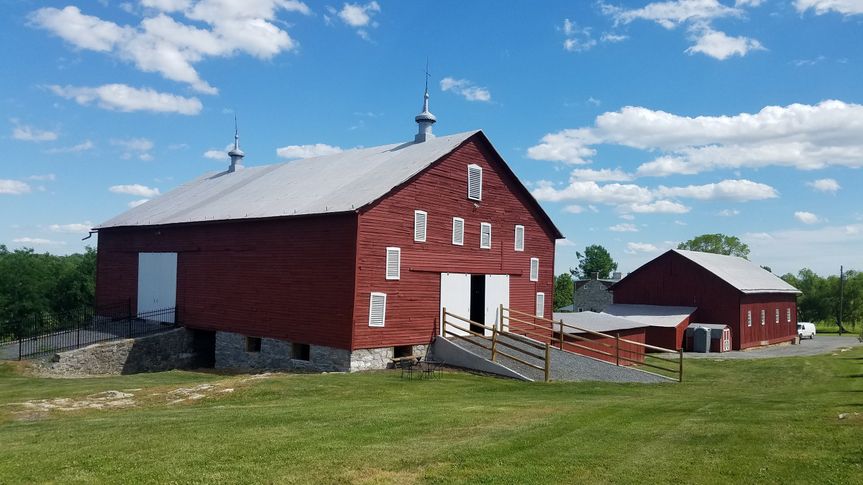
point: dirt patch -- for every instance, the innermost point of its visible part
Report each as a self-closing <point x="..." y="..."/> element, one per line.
<point x="100" y="400"/>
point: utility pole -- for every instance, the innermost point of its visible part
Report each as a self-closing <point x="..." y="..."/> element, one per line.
<point x="841" y="298"/>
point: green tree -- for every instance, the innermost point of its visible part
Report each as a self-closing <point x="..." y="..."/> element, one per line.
<point x="563" y="288"/>
<point x="717" y="243"/>
<point x="595" y="261"/>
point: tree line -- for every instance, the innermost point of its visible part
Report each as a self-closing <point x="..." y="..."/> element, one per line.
<point x="32" y="283"/>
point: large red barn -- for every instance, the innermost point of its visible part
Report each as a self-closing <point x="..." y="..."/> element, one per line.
<point x="759" y="307"/>
<point x="336" y="262"/>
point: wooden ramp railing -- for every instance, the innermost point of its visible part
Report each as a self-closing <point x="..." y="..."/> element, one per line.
<point x="455" y="326"/>
<point x="561" y="335"/>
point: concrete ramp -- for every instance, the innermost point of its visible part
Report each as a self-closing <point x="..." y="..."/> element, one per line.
<point x="450" y="353"/>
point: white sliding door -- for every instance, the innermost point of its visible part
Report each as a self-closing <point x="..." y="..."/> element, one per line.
<point x="455" y="297"/>
<point x="157" y="284"/>
<point x="496" y="294"/>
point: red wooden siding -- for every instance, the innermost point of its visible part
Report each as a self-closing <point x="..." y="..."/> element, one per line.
<point x="413" y="301"/>
<point x="627" y="350"/>
<point x="672" y="279"/>
<point x="288" y="278"/>
<point x="668" y="337"/>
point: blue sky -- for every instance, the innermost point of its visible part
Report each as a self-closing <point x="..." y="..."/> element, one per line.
<point x="636" y="124"/>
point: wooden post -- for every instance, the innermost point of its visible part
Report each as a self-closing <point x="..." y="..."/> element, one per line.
<point x="617" y="349"/>
<point x="493" y="342"/>
<point x="547" y="362"/>
<point x="443" y="322"/>
<point x="680" y="372"/>
<point x="561" y="334"/>
<point x="500" y="320"/>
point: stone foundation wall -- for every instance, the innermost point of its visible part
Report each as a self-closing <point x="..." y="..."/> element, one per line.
<point x="154" y="353"/>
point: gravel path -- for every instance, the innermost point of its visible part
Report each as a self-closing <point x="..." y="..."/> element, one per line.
<point x="565" y="366"/>
<point x="821" y="344"/>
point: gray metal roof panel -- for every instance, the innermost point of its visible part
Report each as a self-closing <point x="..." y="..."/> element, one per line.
<point x="334" y="183"/>
<point x="740" y="273"/>
<point x="596" y="322"/>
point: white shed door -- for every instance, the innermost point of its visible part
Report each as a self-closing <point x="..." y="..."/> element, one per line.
<point x="455" y="297"/>
<point x="157" y="283"/>
<point x="496" y="294"/>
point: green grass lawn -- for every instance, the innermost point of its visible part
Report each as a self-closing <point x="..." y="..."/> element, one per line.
<point x="769" y="421"/>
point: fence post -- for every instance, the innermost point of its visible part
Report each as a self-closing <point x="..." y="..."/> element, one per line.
<point x="561" y="334"/>
<point x="680" y="372"/>
<point x="617" y="349"/>
<point x="547" y="362"/>
<point x="493" y="342"/>
<point x="500" y="320"/>
<point x="443" y="322"/>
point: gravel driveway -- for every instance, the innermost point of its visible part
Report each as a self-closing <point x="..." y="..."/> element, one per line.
<point x="821" y="344"/>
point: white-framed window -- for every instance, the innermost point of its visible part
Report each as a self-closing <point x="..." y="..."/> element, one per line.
<point x="458" y="231"/>
<point x="485" y="235"/>
<point x="540" y="304"/>
<point x="394" y="263"/>
<point x="474" y="182"/>
<point x="377" y="309"/>
<point x="534" y="269"/>
<point x="519" y="237"/>
<point x="788" y="314"/>
<point x="777" y="315"/>
<point x="763" y="317"/>
<point x="748" y="318"/>
<point x="420" y="222"/>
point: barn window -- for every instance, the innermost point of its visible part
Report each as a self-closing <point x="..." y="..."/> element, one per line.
<point x="253" y="344"/>
<point x="763" y="316"/>
<point x="474" y="182"/>
<point x="540" y="304"/>
<point x="300" y="351"/>
<point x="394" y="263"/>
<point x="534" y="269"/>
<point x="377" y="309"/>
<point x="519" y="238"/>
<point x="748" y="318"/>
<point x="788" y="314"/>
<point x="458" y="231"/>
<point x="777" y="315"/>
<point x="420" y="218"/>
<point x="485" y="235"/>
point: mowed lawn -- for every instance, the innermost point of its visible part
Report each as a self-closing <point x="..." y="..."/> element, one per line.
<point x="768" y="421"/>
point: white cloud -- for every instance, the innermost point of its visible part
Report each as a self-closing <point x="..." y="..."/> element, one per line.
<point x="28" y="133"/>
<point x="611" y="37"/>
<point x="357" y="15"/>
<point x="590" y="191"/>
<point x="781" y="249"/>
<point x="825" y="185"/>
<point x="576" y="39"/>
<point x="291" y="152"/>
<point x="162" y="44"/>
<point x="574" y="209"/>
<point x="135" y="189"/>
<point x="135" y="147"/>
<point x="623" y="227"/>
<point x="736" y="190"/>
<point x="36" y="241"/>
<point x="48" y="177"/>
<point x="601" y="175"/>
<point x="564" y="243"/>
<point x="801" y="136"/>
<point x="120" y="97"/>
<point x="639" y="247"/>
<point x="136" y="203"/>
<point x="806" y="217"/>
<point x="728" y="212"/>
<point x="594" y="101"/>
<point x="466" y="89"/>
<point x="219" y="155"/>
<point x="845" y="7"/>
<point x="74" y="228"/>
<point x="657" y="207"/>
<point x="13" y="187"/>
<point x="80" y="147"/>
<point x="719" y="45"/>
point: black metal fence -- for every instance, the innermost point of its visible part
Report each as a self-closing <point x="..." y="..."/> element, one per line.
<point x="47" y="332"/>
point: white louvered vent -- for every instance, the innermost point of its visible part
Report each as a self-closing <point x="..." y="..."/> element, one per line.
<point x="458" y="231"/>
<point x="788" y="314"/>
<point x="763" y="316"/>
<point x="540" y="304"/>
<point x="474" y="182"/>
<point x="377" y="310"/>
<point x="420" y="218"/>
<point x="394" y="263"/>
<point x="534" y="269"/>
<point x="777" y="315"/>
<point x="519" y="238"/>
<point x="485" y="235"/>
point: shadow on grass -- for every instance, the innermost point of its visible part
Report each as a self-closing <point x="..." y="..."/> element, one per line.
<point x="854" y="375"/>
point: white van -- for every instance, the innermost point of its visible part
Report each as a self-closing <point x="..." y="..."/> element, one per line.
<point x="805" y="330"/>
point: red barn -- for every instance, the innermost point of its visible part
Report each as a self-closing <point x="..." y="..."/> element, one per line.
<point x="337" y="262"/>
<point x="759" y="307"/>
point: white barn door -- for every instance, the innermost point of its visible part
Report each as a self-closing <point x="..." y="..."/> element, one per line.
<point x="455" y="297"/>
<point x="157" y="283"/>
<point x="496" y="294"/>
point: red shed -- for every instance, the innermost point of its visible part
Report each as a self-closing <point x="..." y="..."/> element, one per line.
<point x="336" y="262"/>
<point x="759" y="307"/>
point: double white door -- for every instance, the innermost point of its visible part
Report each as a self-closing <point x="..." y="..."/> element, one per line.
<point x="455" y="296"/>
<point x="157" y="285"/>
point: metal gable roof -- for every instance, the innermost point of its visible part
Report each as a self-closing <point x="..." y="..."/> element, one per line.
<point x="341" y="182"/>
<point x="651" y="315"/>
<point x="740" y="273"/>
